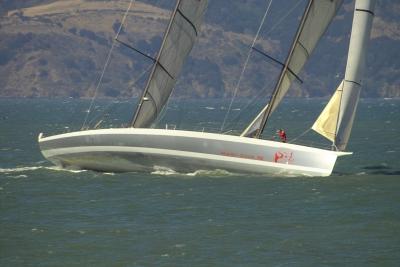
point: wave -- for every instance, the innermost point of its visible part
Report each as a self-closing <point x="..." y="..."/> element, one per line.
<point x="383" y="169"/>
<point x="57" y="168"/>
<point x="377" y="169"/>
<point x="210" y="173"/>
<point x="35" y="168"/>
<point x="165" y="171"/>
<point x="19" y="169"/>
<point x="159" y="170"/>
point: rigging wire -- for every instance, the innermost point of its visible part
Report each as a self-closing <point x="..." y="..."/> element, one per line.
<point x="315" y="144"/>
<point x="284" y="17"/>
<point x="253" y="100"/>
<point x="245" y="65"/>
<point x="301" y="135"/>
<point x="132" y="2"/>
<point x="290" y="11"/>
<point x="109" y="106"/>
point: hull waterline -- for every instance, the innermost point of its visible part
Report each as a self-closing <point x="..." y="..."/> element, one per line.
<point x="130" y="149"/>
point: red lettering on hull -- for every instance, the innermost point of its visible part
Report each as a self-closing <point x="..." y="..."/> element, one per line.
<point x="283" y="157"/>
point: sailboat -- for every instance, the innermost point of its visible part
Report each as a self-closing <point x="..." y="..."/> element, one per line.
<point x="140" y="147"/>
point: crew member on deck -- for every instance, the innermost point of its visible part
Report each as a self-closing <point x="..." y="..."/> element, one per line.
<point x="282" y="135"/>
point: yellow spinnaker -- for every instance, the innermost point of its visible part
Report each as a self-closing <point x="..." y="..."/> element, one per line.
<point x="326" y="123"/>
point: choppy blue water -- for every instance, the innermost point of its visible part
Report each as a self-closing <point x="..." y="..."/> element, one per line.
<point x="52" y="217"/>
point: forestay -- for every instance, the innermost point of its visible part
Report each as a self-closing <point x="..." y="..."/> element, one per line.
<point x="178" y="41"/>
<point x="315" y="22"/>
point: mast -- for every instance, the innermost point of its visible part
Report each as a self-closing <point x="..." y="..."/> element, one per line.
<point x="316" y="18"/>
<point x="268" y="110"/>
<point x="178" y="41"/>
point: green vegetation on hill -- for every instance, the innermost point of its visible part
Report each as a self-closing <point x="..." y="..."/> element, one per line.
<point x="60" y="49"/>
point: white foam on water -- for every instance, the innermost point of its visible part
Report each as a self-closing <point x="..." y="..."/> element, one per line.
<point x="57" y="168"/>
<point x="160" y="170"/>
<point x="360" y="173"/>
<point x="19" y="169"/>
<point x="210" y="173"/>
<point x="20" y="176"/>
<point x="35" y="168"/>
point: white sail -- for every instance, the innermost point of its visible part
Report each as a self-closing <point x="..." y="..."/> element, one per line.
<point x="316" y="21"/>
<point x="361" y="29"/>
<point x="255" y="124"/>
<point x="178" y="42"/>
<point x="326" y="124"/>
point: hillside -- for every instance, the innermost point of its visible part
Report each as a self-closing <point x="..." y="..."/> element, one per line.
<point x="58" y="48"/>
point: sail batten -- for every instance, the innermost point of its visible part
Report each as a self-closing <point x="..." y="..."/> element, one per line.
<point x="178" y="41"/>
<point x="315" y="21"/>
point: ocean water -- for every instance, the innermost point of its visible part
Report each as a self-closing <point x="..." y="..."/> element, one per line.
<point x="54" y="217"/>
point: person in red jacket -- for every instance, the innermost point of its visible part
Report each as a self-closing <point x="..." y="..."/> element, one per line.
<point x="282" y="135"/>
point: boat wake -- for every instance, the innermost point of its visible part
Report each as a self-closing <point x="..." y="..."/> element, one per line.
<point x="19" y="169"/>
<point x="159" y="170"/>
<point x="57" y="168"/>
<point x="211" y="173"/>
<point x="381" y="169"/>
<point x="35" y="168"/>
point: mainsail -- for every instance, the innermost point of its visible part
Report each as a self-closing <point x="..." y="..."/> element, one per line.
<point x="315" y="21"/>
<point x="339" y="120"/>
<point x="178" y="41"/>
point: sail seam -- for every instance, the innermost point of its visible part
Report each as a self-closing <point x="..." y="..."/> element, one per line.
<point x="305" y="49"/>
<point x="353" y="82"/>
<point x="164" y="69"/>
<point x="366" y="10"/>
<point x="277" y="61"/>
<point x="187" y="19"/>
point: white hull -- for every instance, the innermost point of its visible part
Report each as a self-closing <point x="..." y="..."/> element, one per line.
<point x="130" y="149"/>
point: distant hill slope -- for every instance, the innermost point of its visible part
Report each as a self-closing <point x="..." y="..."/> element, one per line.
<point x="58" y="48"/>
